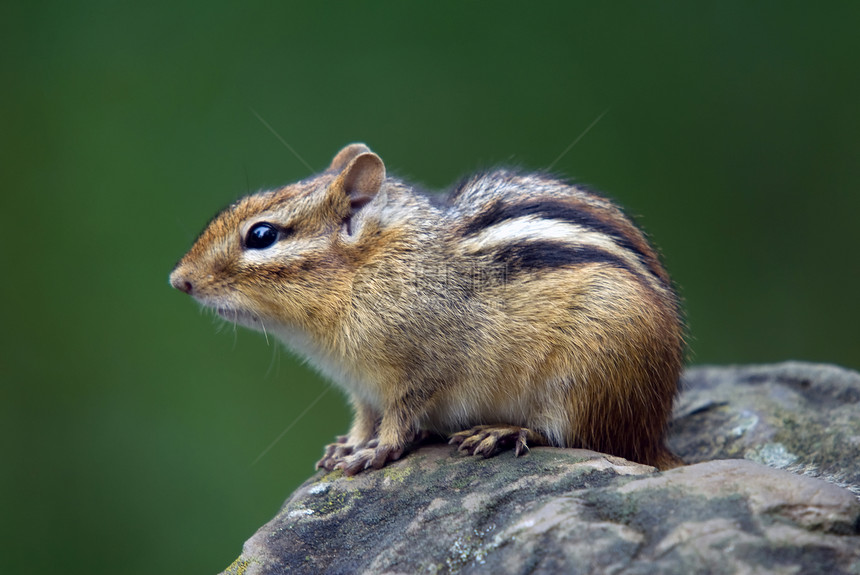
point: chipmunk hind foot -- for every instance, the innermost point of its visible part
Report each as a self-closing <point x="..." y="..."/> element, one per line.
<point x="488" y="440"/>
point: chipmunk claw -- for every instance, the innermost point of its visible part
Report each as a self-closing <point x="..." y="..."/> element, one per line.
<point x="374" y="456"/>
<point x="335" y="453"/>
<point x="487" y="440"/>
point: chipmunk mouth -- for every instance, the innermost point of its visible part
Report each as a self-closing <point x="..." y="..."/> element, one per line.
<point x="239" y="316"/>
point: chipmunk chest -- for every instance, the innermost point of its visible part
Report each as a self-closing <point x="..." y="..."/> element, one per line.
<point x="335" y="366"/>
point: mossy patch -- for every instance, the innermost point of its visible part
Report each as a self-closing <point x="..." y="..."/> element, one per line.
<point x="772" y="454"/>
<point x="461" y="482"/>
<point x="332" y="476"/>
<point x="612" y="506"/>
<point x="238" y="567"/>
<point x="397" y="473"/>
<point x="471" y="548"/>
<point x="332" y="501"/>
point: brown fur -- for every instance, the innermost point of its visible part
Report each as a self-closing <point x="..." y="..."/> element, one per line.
<point x="555" y="324"/>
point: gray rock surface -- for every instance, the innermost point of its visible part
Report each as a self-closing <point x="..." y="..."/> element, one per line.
<point x="576" y="511"/>
<point x="800" y="416"/>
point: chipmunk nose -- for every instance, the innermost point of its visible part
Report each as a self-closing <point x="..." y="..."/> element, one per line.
<point x="181" y="283"/>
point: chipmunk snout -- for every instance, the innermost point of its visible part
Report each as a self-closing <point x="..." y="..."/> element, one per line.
<point x="179" y="282"/>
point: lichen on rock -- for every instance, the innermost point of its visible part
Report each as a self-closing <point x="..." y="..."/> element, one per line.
<point x="798" y="416"/>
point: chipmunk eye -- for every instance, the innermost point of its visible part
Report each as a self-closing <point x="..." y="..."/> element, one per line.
<point x="261" y="236"/>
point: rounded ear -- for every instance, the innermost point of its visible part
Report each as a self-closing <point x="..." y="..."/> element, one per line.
<point x="361" y="179"/>
<point x="346" y="155"/>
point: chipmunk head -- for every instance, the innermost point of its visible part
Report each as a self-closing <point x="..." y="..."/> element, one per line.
<point x="286" y="256"/>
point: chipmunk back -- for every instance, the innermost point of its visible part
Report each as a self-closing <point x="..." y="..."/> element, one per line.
<point x="516" y="310"/>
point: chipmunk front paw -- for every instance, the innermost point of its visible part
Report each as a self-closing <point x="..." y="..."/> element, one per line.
<point x="337" y="452"/>
<point x="374" y="456"/>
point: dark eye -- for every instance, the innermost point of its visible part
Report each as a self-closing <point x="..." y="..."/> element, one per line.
<point x="261" y="236"/>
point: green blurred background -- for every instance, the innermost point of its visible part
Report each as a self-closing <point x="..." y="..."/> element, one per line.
<point x="131" y="420"/>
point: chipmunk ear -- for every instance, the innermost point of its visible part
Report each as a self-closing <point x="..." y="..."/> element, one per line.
<point x="343" y="157"/>
<point x="362" y="177"/>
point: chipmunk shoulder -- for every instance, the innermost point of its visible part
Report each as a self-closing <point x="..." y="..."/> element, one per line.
<point x="516" y="310"/>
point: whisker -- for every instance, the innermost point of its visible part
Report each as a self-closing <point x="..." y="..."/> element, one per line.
<point x="283" y="141"/>
<point x="573" y="143"/>
<point x="265" y="335"/>
<point x="276" y="356"/>
<point x="295" y="421"/>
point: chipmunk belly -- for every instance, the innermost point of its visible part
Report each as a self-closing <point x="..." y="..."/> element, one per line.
<point x="520" y="395"/>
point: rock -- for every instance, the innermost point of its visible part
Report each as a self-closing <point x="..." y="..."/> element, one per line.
<point x="558" y="511"/>
<point x="800" y="416"/>
<point x="576" y="511"/>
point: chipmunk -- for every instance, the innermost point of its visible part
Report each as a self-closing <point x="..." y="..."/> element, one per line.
<point x="517" y="310"/>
